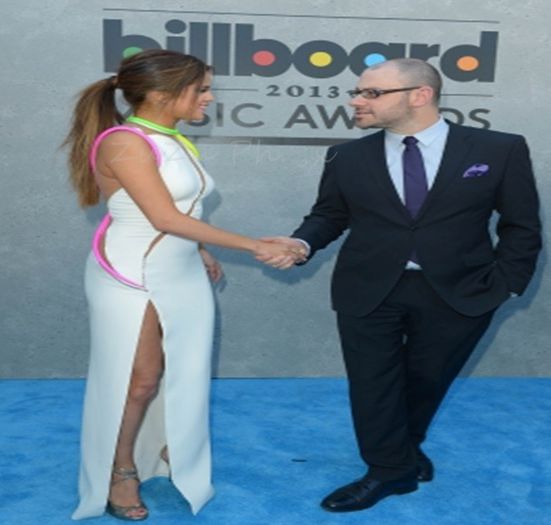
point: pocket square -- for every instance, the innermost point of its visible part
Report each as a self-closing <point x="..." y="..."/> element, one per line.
<point x="476" y="170"/>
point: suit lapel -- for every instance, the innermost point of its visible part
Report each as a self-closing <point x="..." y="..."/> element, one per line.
<point x="457" y="147"/>
<point x="378" y="171"/>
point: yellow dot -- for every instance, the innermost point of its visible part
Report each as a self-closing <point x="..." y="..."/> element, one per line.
<point x="468" y="63"/>
<point x="320" y="59"/>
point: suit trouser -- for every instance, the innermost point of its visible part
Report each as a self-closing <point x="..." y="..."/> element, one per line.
<point x="400" y="361"/>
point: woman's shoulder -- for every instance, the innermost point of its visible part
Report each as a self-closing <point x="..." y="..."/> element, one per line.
<point x="122" y="141"/>
<point x="129" y="134"/>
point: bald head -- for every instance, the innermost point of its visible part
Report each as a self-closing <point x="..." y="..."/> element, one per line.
<point x="415" y="72"/>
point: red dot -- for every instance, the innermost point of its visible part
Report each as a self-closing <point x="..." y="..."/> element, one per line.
<point x="264" y="58"/>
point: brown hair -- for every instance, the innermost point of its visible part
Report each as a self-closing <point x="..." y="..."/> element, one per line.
<point x="96" y="111"/>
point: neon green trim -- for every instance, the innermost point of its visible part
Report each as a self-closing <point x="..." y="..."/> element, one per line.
<point x="151" y="125"/>
<point x="167" y="131"/>
<point x="188" y="144"/>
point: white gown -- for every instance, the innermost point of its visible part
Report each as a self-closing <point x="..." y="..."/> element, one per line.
<point x="178" y="286"/>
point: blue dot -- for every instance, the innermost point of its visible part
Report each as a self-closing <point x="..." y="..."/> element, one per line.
<point x="374" y="58"/>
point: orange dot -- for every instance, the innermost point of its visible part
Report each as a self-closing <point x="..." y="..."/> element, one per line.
<point x="468" y="63"/>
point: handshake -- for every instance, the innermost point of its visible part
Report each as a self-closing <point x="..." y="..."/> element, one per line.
<point x="280" y="252"/>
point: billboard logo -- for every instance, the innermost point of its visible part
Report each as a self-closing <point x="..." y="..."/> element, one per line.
<point x="268" y="57"/>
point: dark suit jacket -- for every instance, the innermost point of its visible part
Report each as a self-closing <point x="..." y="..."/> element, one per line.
<point x="451" y="234"/>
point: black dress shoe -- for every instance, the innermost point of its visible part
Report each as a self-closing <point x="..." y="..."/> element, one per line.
<point x="425" y="468"/>
<point x="365" y="492"/>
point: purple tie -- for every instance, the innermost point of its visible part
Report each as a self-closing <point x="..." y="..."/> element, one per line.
<point x="415" y="180"/>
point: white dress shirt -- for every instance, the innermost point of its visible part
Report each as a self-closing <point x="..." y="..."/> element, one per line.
<point x="431" y="143"/>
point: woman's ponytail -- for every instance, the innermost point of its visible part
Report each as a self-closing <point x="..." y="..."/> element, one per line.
<point x="95" y="111"/>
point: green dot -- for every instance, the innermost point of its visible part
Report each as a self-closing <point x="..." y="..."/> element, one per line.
<point x="129" y="51"/>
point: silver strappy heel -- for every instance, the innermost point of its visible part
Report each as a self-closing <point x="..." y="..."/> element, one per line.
<point x="125" y="512"/>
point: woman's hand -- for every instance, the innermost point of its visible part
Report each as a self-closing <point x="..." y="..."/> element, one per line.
<point x="280" y="252"/>
<point x="213" y="267"/>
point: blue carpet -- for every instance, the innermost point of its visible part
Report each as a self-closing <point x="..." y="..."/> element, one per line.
<point x="280" y="445"/>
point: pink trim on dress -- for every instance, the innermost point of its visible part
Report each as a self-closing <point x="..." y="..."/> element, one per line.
<point x="106" y="221"/>
<point x="136" y="131"/>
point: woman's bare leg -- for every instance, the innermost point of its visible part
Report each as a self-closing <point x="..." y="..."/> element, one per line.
<point x="144" y="382"/>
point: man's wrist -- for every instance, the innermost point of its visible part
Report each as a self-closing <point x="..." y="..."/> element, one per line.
<point x="305" y="244"/>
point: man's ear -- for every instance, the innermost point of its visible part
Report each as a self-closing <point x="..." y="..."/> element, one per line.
<point x="422" y="96"/>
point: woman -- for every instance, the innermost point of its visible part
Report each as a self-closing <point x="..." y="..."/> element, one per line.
<point x="151" y="305"/>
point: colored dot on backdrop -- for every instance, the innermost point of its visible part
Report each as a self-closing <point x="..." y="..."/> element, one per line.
<point x="374" y="58"/>
<point x="175" y="26"/>
<point x="468" y="63"/>
<point x="320" y="59"/>
<point x="130" y="51"/>
<point x="264" y="58"/>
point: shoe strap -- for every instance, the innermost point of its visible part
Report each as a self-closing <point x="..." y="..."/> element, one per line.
<point x="124" y="474"/>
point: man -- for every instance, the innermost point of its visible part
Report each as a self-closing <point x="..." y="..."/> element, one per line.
<point x="418" y="278"/>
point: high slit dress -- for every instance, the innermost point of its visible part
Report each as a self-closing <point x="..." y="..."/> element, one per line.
<point x="173" y="278"/>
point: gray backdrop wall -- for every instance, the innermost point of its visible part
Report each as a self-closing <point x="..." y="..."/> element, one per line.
<point x="264" y="145"/>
